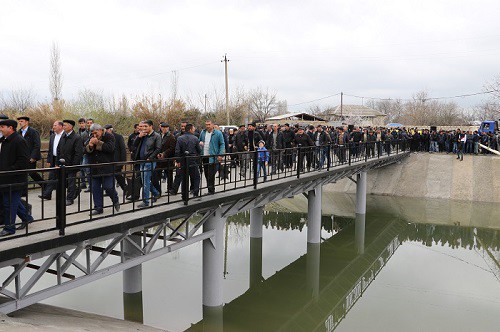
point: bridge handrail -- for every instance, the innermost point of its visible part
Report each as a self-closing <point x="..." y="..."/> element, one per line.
<point x="283" y="163"/>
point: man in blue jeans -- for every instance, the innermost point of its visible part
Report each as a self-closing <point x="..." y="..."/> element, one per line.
<point x="147" y="146"/>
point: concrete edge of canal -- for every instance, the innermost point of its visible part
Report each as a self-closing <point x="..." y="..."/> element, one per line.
<point x="43" y="317"/>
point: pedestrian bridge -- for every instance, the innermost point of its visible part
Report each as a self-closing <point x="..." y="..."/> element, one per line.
<point x="76" y="249"/>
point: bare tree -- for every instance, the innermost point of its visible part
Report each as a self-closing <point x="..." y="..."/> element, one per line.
<point x="20" y="100"/>
<point x="262" y="104"/>
<point x="55" y="83"/>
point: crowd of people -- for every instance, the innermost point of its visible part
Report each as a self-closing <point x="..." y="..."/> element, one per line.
<point x="163" y="152"/>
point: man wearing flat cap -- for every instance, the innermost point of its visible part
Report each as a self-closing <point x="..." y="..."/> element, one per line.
<point x="13" y="156"/>
<point x="32" y="138"/>
<point x="70" y="149"/>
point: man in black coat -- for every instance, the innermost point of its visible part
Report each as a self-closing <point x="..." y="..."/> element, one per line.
<point x="304" y="142"/>
<point x="32" y="138"/>
<point x="70" y="150"/>
<point x="165" y="166"/>
<point x="275" y="145"/>
<point x="288" y="141"/>
<point x="100" y="150"/>
<point x="14" y="155"/>
<point x="187" y="145"/>
<point x="53" y="158"/>
<point x="120" y="155"/>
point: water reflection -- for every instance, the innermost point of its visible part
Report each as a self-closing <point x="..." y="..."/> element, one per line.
<point x="317" y="291"/>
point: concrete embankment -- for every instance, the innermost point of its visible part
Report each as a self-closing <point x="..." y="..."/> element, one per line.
<point x="425" y="175"/>
<point x="45" y="318"/>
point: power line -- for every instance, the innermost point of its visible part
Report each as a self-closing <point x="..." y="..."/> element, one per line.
<point x="312" y="101"/>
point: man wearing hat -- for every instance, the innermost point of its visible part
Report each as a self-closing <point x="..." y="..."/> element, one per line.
<point x="13" y="156"/>
<point x="32" y="138"/>
<point x="303" y="141"/>
<point x="70" y="149"/>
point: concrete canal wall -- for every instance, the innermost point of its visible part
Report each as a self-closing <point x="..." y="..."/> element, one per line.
<point x="425" y="175"/>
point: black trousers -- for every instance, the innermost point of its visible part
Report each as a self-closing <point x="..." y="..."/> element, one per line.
<point x="209" y="169"/>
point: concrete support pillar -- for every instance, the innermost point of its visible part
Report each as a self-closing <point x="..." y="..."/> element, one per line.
<point x="132" y="285"/>
<point x="314" y="215"/>
<point x="213" y="261"/>
<point x="359" y="233"/>
<point x="312" y="268"/>
<point x="256" y="221"/>
<point x="361" y="193"/>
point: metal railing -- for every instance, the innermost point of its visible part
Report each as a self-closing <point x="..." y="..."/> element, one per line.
<point x="233" y="171"/>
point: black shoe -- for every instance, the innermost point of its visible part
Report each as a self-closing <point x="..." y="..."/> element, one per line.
<point x="24" y="224"/>
<point x="171" y="193"/>
<point x="96" y="212"/>
<point x="47" y="198"/>
<point x="87" y="190"/>
<point x="83" y="186"/>
<point x="155" y="198"/>
<point x="117" y="207"/>
<point x="6" y="233"/>
<point x="142" y="205"/>
<point x="69" y="202"/>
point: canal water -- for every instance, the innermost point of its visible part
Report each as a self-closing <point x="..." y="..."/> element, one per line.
<point x="408" y="265"/>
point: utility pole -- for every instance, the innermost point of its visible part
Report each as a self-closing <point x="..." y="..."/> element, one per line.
<point x="225" y="60"/>
<point x="341" y="104"/>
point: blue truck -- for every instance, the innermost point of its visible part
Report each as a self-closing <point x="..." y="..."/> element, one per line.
<point x="490" y="126"/>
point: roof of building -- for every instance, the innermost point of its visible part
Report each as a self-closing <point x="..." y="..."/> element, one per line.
<point x="356" y="110"/>
<point x="295" y="117"/>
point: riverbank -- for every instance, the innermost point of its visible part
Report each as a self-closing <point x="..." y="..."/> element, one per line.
<point x="45" y="318"/>
<point x="437" y="175"/>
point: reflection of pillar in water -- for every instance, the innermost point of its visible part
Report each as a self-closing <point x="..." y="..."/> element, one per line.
<point x="132" y="285"/>
<point x="359" y="233"/>
<point x="256" y="221"/>
<point x="312" y="268"/>
<point x="314" y="215"/>
<point x="213" y="319"/>
<point x="361" y="193"/>
<point x="213" y="260"/>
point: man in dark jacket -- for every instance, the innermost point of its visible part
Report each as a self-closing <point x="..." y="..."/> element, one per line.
<point x="147" y="146"/>
<point x="165" y="161"/>
<point x="120" y="155"/>
<point x="187" y="145"/>
<point x="322" y="142"/>
<point x="288" y="141"/>
<point x="275" y="144"/>
<point x="71" y="150"/>
<point x="100" y="150"/>
<point x="32" y="138"/>
<point x="14" y="155"/>
<point x="304" y="142"/>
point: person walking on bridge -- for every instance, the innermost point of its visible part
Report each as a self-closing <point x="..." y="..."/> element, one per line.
<point x="147" y="146"/>
<point x="14" y="155"/>
<point x="188" y="146"/>
<point x="100" y="149"/>
<point x="71" y="150"/>
<point x="213" y="146"/>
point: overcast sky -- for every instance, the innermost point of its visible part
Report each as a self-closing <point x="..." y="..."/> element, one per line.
<point x="303" y="50"/>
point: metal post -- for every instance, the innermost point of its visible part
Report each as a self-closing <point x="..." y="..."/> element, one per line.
<point x="256" y="221"/>
<point x="185" y="180"/>
<point x="314" y="215"/>
<point x="132" y="285"/>
<point x="213" y="261"/>
<point x="299" y="161"/>
<point x="361" y="193"/>
<point x="359" y="233"/>
<point x="61" y="197"/>
<point x="255" y="172"/>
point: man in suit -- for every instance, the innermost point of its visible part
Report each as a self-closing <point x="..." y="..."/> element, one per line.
<point x="168" y="142"/>
<point x="52" y="158"/>
<point x="13" y="156"/>
<point x="32" y="138"/>
<point x="70" y="149"/>
<point x="275" y="144"/>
